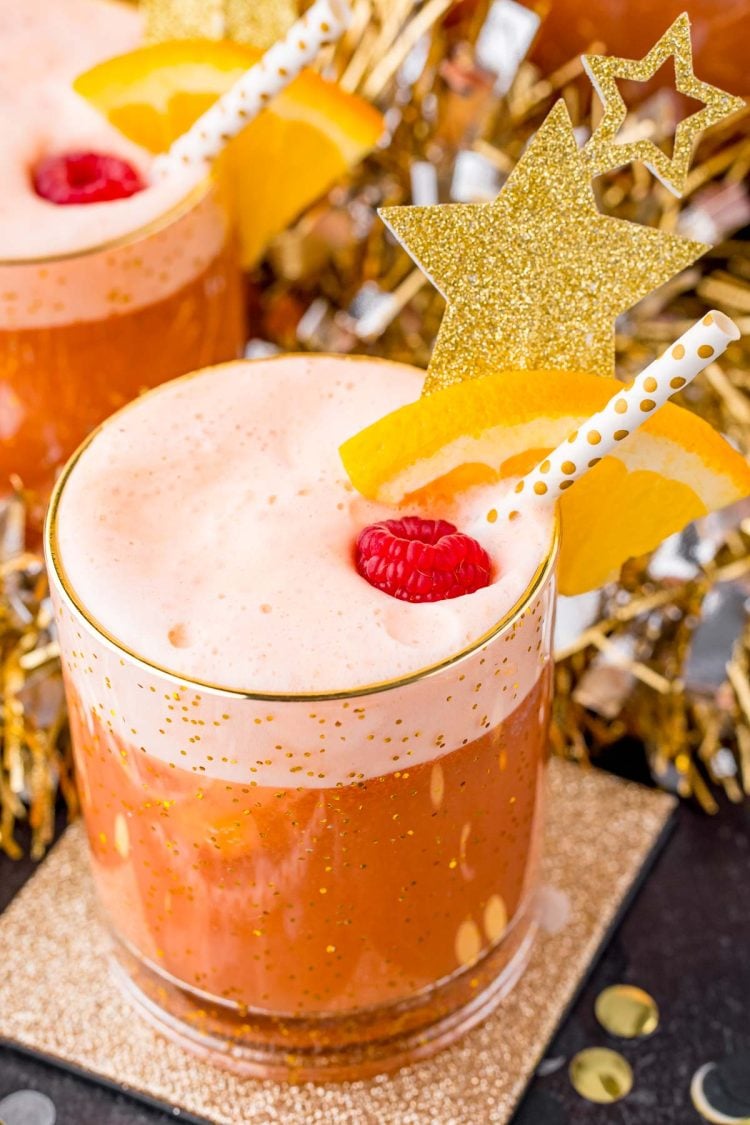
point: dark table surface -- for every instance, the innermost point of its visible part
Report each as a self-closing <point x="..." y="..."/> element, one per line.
<point x="685" y="939"/>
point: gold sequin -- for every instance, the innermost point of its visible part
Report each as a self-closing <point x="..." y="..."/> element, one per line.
<point x="627" y="1011"/>
<point x="704" y="1106"/>
<point x="601" y="1075"/>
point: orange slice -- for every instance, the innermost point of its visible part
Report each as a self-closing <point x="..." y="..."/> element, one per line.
<point x="671" y="471"/>
<point x="304" y="141"/>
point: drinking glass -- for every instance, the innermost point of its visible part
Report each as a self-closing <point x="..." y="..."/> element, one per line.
<point x="313" y="885"/>
<point x="83" y="333"/>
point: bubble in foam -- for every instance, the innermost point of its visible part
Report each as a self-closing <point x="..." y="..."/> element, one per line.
<point x="415" y="628"/>
<point x="179" y="636"/>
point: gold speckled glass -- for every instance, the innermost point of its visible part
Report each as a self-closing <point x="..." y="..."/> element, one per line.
<point x="74" y="330"/>
<point x="275" y="905"/>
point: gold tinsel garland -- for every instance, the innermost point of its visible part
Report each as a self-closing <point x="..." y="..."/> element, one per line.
<point x="35" y="762"/>
<point x="336" y="281"/>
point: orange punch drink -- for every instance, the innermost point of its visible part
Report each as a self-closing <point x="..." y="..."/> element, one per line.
<point x="108" y="284"/>
<point x="313" y="797"/>
<point x="309" y="680"/>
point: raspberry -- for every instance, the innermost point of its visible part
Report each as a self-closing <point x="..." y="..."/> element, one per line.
<point x="420" y="560"/>
<point x="85" y="177"/>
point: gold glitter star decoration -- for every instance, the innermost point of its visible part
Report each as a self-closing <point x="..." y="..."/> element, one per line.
<point x="536" y="278"/>
<point x="605" y="153"/>
<point x="258" y="23"/>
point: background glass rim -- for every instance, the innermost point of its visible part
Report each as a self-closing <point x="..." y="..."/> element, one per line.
<point x="186" y="203"/>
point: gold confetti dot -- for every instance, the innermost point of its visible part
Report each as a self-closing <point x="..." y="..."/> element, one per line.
<point x="647" y="404"/>
<point x="519" y="487"/>
<point x="627" y="1011"/>
<point x="540" y="488"/>
<point x="594" y="461"/>
<point x="594" y="437"/>
<point x="650" y="384"/>
<point x="678" y="351"/>
<point x="544" y="467"/>
<point x="621" y="406"/>
<point x="708" y="319"/>
<point x="468" y="942"/>
<point x="677" y="382"/>
<point x="495" y="918"/>
<point x="566" y="484"/>
<point x="705" y="351"/>
<point x="620" y="434"/>
<point x="492" y="515"/>
<point x="568" y="467"/>
<point x="600" y="1075"/>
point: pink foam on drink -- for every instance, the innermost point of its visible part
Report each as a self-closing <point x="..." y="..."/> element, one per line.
<point x="210" y="529"/>
<point x="44" y="45"/>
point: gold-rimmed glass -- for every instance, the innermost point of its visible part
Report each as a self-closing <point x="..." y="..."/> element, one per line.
<point x="319" y="885"/>
<point x="83" y="333"/>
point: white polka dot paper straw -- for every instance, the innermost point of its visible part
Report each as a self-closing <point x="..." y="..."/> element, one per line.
<point x="323" y="23"/>
<point x="623" y="414"/>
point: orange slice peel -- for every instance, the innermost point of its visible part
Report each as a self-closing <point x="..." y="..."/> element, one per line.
<point x="305" y="140"/>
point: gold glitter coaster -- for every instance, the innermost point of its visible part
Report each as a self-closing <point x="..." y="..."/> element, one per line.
<point x="57" y="998"/>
